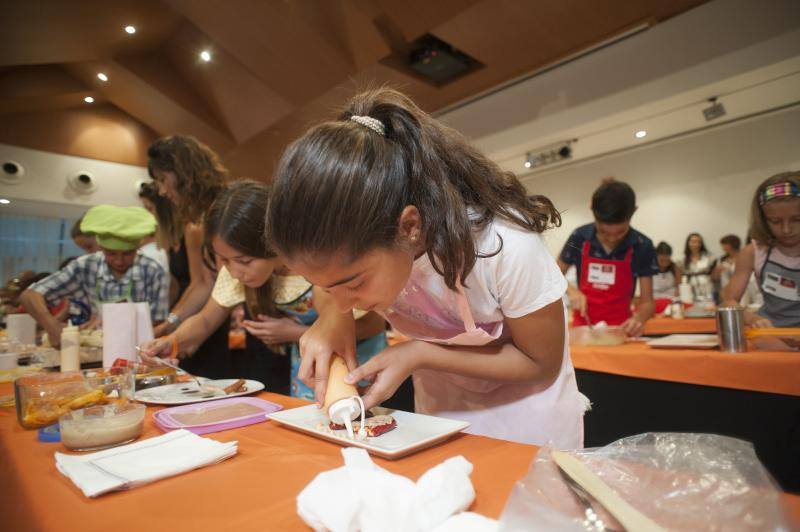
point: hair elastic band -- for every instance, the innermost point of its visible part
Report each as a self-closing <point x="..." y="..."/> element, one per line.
<point x="778" y="190"/>
<point x="372" y="123"/>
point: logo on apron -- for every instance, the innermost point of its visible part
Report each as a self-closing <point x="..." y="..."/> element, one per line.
<point x="602" y="274"/>
<point x="781" y="287"/>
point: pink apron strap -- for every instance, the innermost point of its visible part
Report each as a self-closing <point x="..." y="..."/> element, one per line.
<point x="463" y="308"/>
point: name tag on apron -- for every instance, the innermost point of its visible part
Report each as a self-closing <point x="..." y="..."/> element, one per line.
<point x="781" y="287"/>
<point x="602" y="273"/>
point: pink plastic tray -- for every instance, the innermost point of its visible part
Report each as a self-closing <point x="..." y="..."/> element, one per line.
<point x="165" y="421"/>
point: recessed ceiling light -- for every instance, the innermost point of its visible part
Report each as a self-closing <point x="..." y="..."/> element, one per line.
<point x="130" y="29"/>
<point x="528" y="164"/>
<point x="640" y="134"/>
<point x="4" y="201"/>
<point x="102" y="77"/>
<point x="205" y="55"/>
<point x="88" y="99"/>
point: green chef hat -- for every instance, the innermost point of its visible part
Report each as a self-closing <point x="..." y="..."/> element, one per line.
<point x="118" y="228"/>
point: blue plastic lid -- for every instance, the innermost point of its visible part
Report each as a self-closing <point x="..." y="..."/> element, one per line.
<point x="50" y="434"/>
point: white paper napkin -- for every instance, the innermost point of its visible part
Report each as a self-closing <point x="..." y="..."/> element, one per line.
<point x="126" y="325"/>
<point x="119" y="332"/>
<point x="362" y="496"/>
<point x="142" y="462"/>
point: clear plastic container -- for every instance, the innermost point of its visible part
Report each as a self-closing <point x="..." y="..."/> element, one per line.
<point x="597" y="335"/>
<point x="8" y="360"/>
<point x="151" y="376"/>
<point x="101" y="427"/>
<point x="42" y="398"/>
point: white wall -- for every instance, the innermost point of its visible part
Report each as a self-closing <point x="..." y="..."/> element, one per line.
<point x="43" y="190"/>
<point x="702" y="182"/>
<point x="683" y="60"/>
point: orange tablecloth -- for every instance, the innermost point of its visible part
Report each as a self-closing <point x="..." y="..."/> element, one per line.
<point x="255" y="490"/>
<point x="665" y="326"/>
<point x="761" y="371"/>
<point x="653" y="327"/>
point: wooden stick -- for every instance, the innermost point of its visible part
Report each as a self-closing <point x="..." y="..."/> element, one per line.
<point x="629" y="517"/>
<point x="772" y="331"/>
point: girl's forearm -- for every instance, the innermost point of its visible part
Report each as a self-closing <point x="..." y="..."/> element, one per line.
<point x="198" y="327"/>
<point x="193" y="299"/>
<point x="501" y="363"/>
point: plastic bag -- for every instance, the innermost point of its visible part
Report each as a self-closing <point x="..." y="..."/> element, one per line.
<point x="681" y="481"/>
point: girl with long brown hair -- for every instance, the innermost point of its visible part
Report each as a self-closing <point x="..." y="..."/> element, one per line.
<point x="402" y="216"/>
<point x="773" y="254"/>
<point x="279" y="306"/>
<point x="190" y="175"/>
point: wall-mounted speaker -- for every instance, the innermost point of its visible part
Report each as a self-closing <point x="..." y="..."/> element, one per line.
<point x="82" y="182"/>
<point x="12" y="172"/>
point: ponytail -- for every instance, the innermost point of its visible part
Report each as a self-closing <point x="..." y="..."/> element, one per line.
<point x="351" y="181"/>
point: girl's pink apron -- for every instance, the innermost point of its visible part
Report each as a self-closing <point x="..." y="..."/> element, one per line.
<point x="509" y="411"/>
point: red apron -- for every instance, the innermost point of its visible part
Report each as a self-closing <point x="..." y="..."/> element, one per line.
<point x="608" y="287"/>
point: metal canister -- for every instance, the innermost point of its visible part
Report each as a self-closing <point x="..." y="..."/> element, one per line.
<point x="730" y="329"/>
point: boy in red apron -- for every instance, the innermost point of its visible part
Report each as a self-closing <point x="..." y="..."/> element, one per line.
<point x="610" y="256"/>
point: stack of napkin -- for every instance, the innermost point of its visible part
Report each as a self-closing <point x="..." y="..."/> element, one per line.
<point x="362" y="496"/>
<point x="142" y="462"/>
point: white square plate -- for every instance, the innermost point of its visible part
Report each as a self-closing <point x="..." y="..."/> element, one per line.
<point x="414" y="432"/>
<point x="686" y="341"/>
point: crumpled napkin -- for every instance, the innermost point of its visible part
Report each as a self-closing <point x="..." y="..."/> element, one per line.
<point x="142" y="462"/>
<point x="362" y="496"/>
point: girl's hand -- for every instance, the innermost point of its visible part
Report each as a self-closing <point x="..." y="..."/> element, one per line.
<point x="388" y="369"/>
<point x="54" y="334"/>
<point x="762" y="323"/>
<point x="331" y="333"/>
<point x="274" y="330"/>
<point x="577" y="301"/>
<point x="633" y="326"/>
<point x="160" y="347"/>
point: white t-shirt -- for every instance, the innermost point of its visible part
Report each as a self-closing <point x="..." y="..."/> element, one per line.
<point x="664" y="285"/>
<point x="522" y="278"/>
<point x="157" y="254"/>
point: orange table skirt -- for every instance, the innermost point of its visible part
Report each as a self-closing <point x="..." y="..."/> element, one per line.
<point x="653" y="327"/>
<point x="665" y="326"/>
<point x="255" y="490"/>
<point x="760" y="371"/>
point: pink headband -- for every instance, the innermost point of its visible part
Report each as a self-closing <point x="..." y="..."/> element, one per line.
<point x="778" y="190"/>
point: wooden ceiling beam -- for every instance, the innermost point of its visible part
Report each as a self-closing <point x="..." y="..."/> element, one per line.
<point x="237" y="98"/>
<point x="47" y="102"/>
<point x="58" y="31"/>
<point x="142" y="92"/>
<point x="279" y="42"/>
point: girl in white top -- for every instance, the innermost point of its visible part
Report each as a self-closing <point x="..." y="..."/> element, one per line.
<point x="774" y="253"/>
<point x="278" y="306"/>
<point x="402" y="216"/>
<point x="698" y="264"/>
<point x="666" y="281"/>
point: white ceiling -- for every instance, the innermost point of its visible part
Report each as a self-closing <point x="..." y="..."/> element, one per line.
<point x="658" y="80"/>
